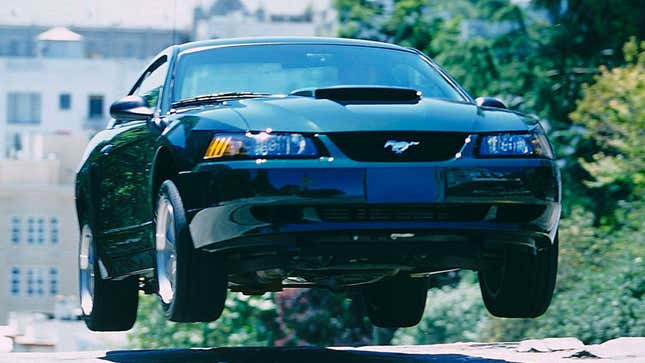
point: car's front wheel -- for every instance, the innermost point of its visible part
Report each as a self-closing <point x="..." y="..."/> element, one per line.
<point x="522" y="287"/>
<point x="396" y="302"/>
<point x="192" y="284"/>
<point x="106" y="305"/>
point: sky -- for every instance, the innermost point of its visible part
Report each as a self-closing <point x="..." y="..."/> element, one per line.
<point x="122" y="13"/>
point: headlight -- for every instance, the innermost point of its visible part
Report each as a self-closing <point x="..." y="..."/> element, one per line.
<point x="260" y="145"/>
<point x="533" y="143"/>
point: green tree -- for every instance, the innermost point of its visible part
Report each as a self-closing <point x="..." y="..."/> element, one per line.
<point x="549" y="50"/>
<point x="321" y="317"/>
<point x="246" y="320"/>
<point x="360" y="18"/>
<point x="291" y="317"/>
<point x="612" y="113"/>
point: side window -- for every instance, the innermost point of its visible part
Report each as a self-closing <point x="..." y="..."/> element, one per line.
<point x="150" y="87"/>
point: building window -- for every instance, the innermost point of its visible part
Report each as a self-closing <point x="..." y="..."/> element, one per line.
<point x="40" y="231"/>
<point x="14" y="283"/>
<point x="14" y="48"/>
<point x="31" y="229"/>
<point x="53" y="230"/>
<point x="40" y="282"/>
<point x="35" y="282"/>
<point x="64" y="101"/>
<point x="23" y="108"/>
<point x="95" y="107"/>
<point x="37" y="231"/>
<point x="14" y="229"/>
<point x="30" y="282"/>
<point x="53" y="281"/>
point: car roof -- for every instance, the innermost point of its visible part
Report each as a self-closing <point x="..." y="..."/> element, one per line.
<point x="285" y="40"/>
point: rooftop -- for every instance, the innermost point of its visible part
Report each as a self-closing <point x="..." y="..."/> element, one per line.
<point x="60" y="34"/>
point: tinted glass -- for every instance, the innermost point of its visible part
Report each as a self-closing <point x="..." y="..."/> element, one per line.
<point x="150" y="88"/>
<point x="284" y="68"/>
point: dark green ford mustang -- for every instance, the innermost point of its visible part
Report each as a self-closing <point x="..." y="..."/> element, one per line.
<point x="261" y="164"/>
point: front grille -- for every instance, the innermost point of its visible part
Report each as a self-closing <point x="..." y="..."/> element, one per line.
<point x="370" y="146"/>
<point x="360" y="213"/>
<point x="454" y="212"/>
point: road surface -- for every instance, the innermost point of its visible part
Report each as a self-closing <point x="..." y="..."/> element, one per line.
<point x="546" y="350"/>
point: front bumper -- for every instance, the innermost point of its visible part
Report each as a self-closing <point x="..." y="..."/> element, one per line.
<point x="258" y="203"/>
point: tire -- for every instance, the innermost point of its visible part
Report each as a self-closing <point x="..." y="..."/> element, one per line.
<point x="106" y="305"/>
<point x="397" y="302"/>
<point x="523" y="286"/>
<point x="191" y="284"/>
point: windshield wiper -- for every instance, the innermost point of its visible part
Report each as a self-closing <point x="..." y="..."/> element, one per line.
<point x="216" y="97"/>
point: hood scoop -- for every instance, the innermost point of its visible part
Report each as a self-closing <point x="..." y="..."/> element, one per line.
<point x="361" y="94"/>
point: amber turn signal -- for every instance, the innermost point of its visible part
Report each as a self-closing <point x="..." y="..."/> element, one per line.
<point x="217" y="147"/>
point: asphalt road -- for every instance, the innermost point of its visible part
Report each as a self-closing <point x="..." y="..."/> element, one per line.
<point x="546" y="350"/>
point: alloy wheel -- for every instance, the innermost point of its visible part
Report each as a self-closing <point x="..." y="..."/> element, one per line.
<point x="86" y="261"/>
<point x="165" y="242"/>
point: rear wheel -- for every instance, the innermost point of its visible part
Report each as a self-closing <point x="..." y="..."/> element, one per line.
<point x="523" y="286"/>
<point x="106" y="305"/>
<point x="191" y="284"/>
<point x="397" y="302"/>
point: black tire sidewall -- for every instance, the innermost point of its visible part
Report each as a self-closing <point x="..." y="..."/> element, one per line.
<point x="527" y="283"/>
<point x="169" y="191"/>
<point x="200" y="287"/>
<point x="115" y="303"/>
<point x="397" y="302"/>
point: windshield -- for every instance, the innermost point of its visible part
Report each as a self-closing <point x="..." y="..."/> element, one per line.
<point x="281" y="69"/>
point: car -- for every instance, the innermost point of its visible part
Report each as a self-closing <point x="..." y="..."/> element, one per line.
<point x="254" y="165"/>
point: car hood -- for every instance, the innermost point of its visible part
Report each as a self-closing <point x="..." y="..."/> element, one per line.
<point x="310" y="115"/>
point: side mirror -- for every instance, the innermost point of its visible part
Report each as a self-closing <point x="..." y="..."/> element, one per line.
<point x="490" y="102"/>
<point x="131" y="108"/>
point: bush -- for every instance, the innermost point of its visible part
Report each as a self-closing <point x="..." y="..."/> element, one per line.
<point x="246" y="320"/>
<point x="320" y="317"/>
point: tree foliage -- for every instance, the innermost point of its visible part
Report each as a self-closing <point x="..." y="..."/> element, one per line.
<point x="246" y="320"/>
<point x="291" y="317"/>
<point x="612" y="112"/>
<point x="320" y="317"/>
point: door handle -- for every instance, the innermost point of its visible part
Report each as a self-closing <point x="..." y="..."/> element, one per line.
<point x="107" y="149"/>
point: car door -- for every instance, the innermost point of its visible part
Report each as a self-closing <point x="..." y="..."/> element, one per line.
<point x="124" y="164"/>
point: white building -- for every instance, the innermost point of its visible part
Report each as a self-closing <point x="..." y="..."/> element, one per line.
<point x="50" y="104"/>
<point x="235" y="18"/>
<point x="58" y="92"/>
<point x="38" y="229"/>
